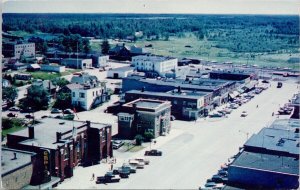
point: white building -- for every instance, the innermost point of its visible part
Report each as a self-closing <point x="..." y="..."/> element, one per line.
<point x="77" y="63"/>
<point x="120" y="72"/>
<point x="16" y="50"/>
<point x="151" y="63"/>
<point x="53" y="68"/>
<point x="87" y="97"/>
<point x="100" y="61"/>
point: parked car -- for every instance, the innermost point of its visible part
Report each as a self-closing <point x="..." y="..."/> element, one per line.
<point x="142" y="159"/>
<point x="136" y="164"/>
<point x="219" y="179"/>
<point x="265" y="81"/>
<point x="153" y="152"/>
<point x="109" y="177"/>
<point x="12" y="115"/>
<point x="279" y="84"/>
<point x="28" y="116"/>
<point x="216" y="114"/>
<point x="14" y="109"/>
<point x="117" y="144"/>
<point x="244" y="114"/>
<point x="68" y="111"/>
<point x="233" y="106"/>
<point x="44" y="116"/>
<point x="55" y="110"/>
<point x="223" y="173"/>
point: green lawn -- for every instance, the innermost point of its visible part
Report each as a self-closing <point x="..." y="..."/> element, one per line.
<point x="50" y="75"/>
<point x="17" y="125"/>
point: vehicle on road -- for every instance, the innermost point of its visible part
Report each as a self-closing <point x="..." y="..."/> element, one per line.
<point x="142" y="159"/>
<point x="279" y="84"/>
<point x="55" y="110"/>
<point x="244" y="114"/>
<point x="14" y="109"/>
<point x="265" y="81"/>
<point x="215" y="114"/>
<point x="219" y="179"/>
<point x="44" y="116"/>
<point x="28" y="116"/>
<point x="153" y="152"/>
<point x="68" y="111"/>
<point x="116" y="144"/>
<point x="136" y="164"/>
<point x="12" y="115"/>
<point x="109" y="177"/>
<point x="233" y="106"/>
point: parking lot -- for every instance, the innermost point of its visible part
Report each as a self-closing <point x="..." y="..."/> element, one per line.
<point x="193" y="151"/>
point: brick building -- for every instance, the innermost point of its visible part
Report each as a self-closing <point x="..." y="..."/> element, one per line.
<point x="61" y="145"/>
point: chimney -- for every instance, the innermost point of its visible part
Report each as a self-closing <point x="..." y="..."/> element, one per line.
<point x="15" y="156"/>
<point x="58" y="136"/>
<point x="88" y="124"/>
<point x="31" y="132"/>
<point x="179" y="89"/>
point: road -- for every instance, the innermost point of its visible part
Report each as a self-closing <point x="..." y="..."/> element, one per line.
<point x="195" y="150"/>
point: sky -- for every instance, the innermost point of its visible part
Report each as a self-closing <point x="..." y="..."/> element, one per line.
<point x="153" y="6"/>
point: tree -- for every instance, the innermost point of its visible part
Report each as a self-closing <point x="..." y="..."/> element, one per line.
<point x="9" y="94"/>
<point x="37" y="99"/>
<point x="105" y="47"/>
<point x="148" y="136"/>
<point x="86" y="45"/>
<point x="139" y="139"/>
<point x="60" y="82"/>
<point x="63" y="101"/>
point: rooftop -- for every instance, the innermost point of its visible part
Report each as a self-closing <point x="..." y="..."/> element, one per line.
<point x="9" y="164"/>
<point x="267" y="162"/>
<point x="279" y="140"/>
<point x="123" y="69"/>
<point x="45" y="131"/>
<point x="155" y="58"/>
<point x="146" y="103"/>
<point x="167" y="94"/>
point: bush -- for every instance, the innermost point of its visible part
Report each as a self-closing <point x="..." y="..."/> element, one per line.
<point x="148" y="136"/>
<point x="139" y="139"/>
<point x="10" y="123"/>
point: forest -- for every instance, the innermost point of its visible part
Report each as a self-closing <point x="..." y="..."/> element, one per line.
<point x="237" y="33"/>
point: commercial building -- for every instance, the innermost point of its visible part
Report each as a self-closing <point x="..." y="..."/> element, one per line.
<point x="16" y="168"/>
<point x="186" y="104"/>
<point x="154" y="65"/>
<point x="269" y="159"/>
<point x="120" y="72"/>
<point x="144" y="115"/>
<point x="18" y="49"/>
<point x="53" y="68"/>
<point x="61" y="145"/>
<point x="77" y="63"/>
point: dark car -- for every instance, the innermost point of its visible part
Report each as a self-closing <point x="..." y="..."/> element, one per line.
<point x="12" y="115"/>
<point x="55" y="110"/>
<point x="153" y="152"/>
<point x="117" y="144"/>
<point x="279" y="84"/>
<point x="68" y="111"/>
<point x="28" y="116"/>
<point x="109" y="177"/>
<point x="265" y="81"/>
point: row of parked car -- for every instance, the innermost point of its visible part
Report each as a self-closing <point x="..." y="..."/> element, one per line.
<point x="218" y="180"/>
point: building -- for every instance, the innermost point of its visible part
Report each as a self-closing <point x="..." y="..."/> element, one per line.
<point x="52" y="68"/>
<point x="88" y="97"/>
<point x="120" y="72"/>
<point x="85" y="79"/>
<point x="18" y="49"/>
<point x="124" y="52"/>
<point x="186" y="104"/>
<point x="69" y="87"/>
<point x="5" y="83"/>
<point x="236" y="75"/>
<point x="22" y="76"/>
<point x="144" y="115"/>
<point x="33" y="67"/>
<point x="16" y="168"/>
<point x="269" y="159"/>
<point x="99" y="60"/>
<point x="45" y="84"/>
<point x="252" y="170"/>
<point x="154" y="65"/>
<point x="77" y="63"/>
<point x="61" y="145"/>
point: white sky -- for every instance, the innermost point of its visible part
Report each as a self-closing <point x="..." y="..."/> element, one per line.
<point x="153" y="6"/>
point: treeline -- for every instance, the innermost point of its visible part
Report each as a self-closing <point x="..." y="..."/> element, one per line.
<point x="213" y="27"/>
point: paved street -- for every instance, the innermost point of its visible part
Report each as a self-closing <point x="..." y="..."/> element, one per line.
<point x="193" y="151"/>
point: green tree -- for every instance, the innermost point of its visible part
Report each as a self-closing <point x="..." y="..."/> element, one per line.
<point x="139" y="139"/>
<point x="63" y="101"/>
<point x="37" y="99"/>
<point x="148" y="136"/>
<point x="86" y="45"/>
<point x="60" y="82"/>
<point x="105" y="47"/>
<point x="9" y="94"/>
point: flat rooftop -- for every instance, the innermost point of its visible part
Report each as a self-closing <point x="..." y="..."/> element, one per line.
<point x="9" y="164"/>
<point x="272" y="163"/>
<point x="45" y="131"/>
<point x="166" y="94"/>
<point x="128" y="68"/>
<point x="288" y="124"/>
<point x="147" y="104"/>
<point x="273" y="139"/>
<point x="155" y="58"/>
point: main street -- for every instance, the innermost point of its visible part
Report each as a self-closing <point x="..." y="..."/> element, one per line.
<point x="194" y="151"/>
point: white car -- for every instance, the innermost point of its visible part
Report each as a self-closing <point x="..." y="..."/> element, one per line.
<point x="244" y="114"/>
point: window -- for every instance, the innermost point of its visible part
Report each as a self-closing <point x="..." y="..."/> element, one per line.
<point x="93" y="94"/>
<point x="81" y="95"/>
<point x="73" y="94"/>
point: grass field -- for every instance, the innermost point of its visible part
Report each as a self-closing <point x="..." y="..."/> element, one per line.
<point x="208" y="50"/>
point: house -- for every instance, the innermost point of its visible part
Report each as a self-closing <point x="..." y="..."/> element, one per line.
<point x="69" y="87"/>
<point x="88" y="97"/>
<point x="45" y="84"/>
<point x="52" y="68"/>
<point x="85" y="79"/>
<point x="144" y="115"/>
<point x="61" y="145"/>
<point x="17" y="66"/>
<point x="120" y="72"/>
<point x="124" y="52"/>
<point x="154" y="65"/>
<point x="33" y="67"/>
<point x="99" y="60"/>
<point x="18" y="49"/>
<point x="77" y="63"/>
